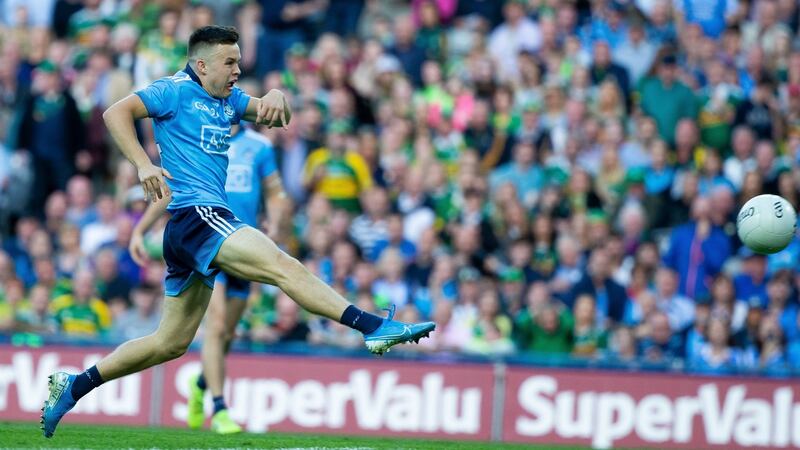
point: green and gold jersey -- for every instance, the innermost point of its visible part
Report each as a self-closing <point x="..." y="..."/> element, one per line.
<point x="90" y="319"/>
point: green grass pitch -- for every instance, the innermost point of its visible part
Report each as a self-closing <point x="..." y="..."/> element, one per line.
<point x="28" y="435"/>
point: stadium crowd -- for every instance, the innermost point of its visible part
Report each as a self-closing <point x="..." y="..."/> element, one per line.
<point x="554" y="177"/>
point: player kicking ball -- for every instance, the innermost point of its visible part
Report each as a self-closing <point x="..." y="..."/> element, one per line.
<point x="192" y="114"/>
<point x="252" y="178"/>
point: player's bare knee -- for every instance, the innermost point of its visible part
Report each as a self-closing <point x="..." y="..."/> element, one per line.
<point x="171" y="348"/>
<point x="174" y="350"/>
<point x="217" y="328"/>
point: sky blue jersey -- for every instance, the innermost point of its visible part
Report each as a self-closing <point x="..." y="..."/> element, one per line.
<point x="193" y="130"/>
<point x="251" y="157"/>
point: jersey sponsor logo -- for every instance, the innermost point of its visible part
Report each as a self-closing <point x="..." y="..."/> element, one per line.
<point x="214" y="140"/>
<point x="203" y="107"/>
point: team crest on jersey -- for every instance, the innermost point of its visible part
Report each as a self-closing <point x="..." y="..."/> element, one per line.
<point x="228" y="110"/>
<point x="203" y="107"/>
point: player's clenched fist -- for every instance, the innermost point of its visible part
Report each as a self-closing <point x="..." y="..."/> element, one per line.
<point x="273" y="110"/>
<point x="152" y="179"/>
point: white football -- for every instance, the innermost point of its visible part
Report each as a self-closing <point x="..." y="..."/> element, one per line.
<point x="766" y="223"/>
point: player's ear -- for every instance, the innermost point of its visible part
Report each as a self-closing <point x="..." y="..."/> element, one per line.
<point x="201" y="66"/>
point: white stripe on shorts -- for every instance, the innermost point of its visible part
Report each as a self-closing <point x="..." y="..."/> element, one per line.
<point x="206" y="220"/>
<point x="222" y="223"/>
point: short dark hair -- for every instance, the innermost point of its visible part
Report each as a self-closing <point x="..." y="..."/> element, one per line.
<point x="212" y="35"/>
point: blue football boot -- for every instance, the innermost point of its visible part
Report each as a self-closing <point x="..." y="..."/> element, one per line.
<point x="58" y="403"/>
<point x="391" y="333"/>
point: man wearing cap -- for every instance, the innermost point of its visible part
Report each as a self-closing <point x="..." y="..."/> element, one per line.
<point x="51" y="129"/>
<point x="296" y="63"/>
<point x="666" y="99"/>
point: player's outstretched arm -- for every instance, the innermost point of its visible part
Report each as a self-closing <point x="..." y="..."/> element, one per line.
<point x="271" y="110"/>
<point x="119" y="119"/>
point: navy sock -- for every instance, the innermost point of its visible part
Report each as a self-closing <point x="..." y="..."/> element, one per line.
<point x="219" y="404"/>
<point x="201" y="382"/>
<point x="85" y="382"/>
<point x="360" y="320"/>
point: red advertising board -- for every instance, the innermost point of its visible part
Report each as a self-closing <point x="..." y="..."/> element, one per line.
<point x="23" y="387"/>
<point x="415" y="399"/>
<point x="351" y="396"/>
<point x="605" y="409"/>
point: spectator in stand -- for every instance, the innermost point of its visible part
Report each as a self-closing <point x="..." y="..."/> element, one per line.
<point x="284" y="326"/>
<point x="636" y="53"/>
<point x="491" y="331"/>
<point x="716" y="355"/>
<point x="666" y="99"/>
<point x="394" y="240"/>
<point x="410" y="54"/>
<point x="589" y="338"/>
<point x="751" y="283"/>
<point x="80" y="197"/>
<point x="453" y="336"/>
<point x="659" y="344"/>
<point x="52" y="130"/>
<point x="712" y="16"/>
<point x="516" y="33"/>
<point x="524" y="173"/>
<point x="337" y="172"/>
<point x="10" y="303"/>
<point x="103" y="230"/>
<point x="112" y="287"/>
<point x="142" y="318"/>
<point x="696" y="335"/>
<point x="371" y="227"/>
<point x="781" y="306"/>
<point x="160" y="52"/>
<point x="771" y="346"/>
<point x="391" y="285"/>
<point x="741" y="162"/>
<point x="37" y="318"/>
<point x="81" y="313"/>
<point x="724" y="301"/>
<point x="604" y="68"/>
<point x="680" y="310"/>
<point x="760" y="111"/>
<point x="610" y="297"/>
<point x="697" y="250"/>
<point x="623" y="345"/>
<point x="547" y="328"/>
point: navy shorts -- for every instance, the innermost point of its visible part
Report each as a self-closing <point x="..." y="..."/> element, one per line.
<point x="192" y="239"/>
<point x="235" y="288"/>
